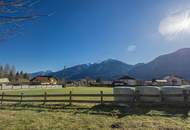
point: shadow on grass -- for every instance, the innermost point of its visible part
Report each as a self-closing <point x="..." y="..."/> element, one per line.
<point x="142" y="110"/>
<point x="109" y="110"/>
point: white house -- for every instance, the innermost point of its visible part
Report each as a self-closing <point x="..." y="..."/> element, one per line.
<point x="126" y="80"/>
<point x="147" y="83"/>
<point x="4" y="80"/>
<point x="174" y="80"/>
<point x="161" y="82"/>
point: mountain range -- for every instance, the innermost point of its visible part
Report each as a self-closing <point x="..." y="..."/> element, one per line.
<point x="177" y="63"/>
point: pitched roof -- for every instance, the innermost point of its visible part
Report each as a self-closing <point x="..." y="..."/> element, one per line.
<point x="161" y="81"/>
<point x="126" y="77"/>
<point x="168" y="76"/>
<point x="43" y="78"/>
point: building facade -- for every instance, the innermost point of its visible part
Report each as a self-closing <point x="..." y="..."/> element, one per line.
<point x="44" y="80"/>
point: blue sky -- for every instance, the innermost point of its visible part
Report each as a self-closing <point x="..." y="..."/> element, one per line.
<point x="87" y="31"/>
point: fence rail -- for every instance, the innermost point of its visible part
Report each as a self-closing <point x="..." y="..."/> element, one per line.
<point x="10" y="87"/>
<point x="100" y="98"/>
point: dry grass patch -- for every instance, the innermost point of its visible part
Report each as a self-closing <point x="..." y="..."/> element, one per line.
<point x="90" y="118"/>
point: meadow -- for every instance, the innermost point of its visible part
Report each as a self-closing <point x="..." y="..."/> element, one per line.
<point x="89" y="117"/>
<point x="76" y="90"/>
<point x="66" y="90"/>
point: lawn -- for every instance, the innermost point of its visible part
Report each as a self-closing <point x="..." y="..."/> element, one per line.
<point x="92" y="118"/>
<point x="78" y="90"/>
<point x="75" y="90"/>
<point x="88" y="117"/>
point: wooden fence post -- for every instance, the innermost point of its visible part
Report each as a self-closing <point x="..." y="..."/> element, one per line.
<point x="161" y="96"/>
<point x="101" y="98"/>
<point x="21" y="96"/>
<point x="45" y="97"/>
<point x="137" y="96"/>
<point x="70" y="98"/>
<point x="185" y="96"/>
<point x="2" y="97"/>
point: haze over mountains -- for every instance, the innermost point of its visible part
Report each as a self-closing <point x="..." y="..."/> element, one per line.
<point x="177" y="63"/>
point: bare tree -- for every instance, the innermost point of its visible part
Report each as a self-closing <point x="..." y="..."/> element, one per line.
<point x="6" y="69"/>
<point x="13" y="13"/>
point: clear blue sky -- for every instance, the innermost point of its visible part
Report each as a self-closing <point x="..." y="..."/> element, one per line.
<point x="86" y="31"/>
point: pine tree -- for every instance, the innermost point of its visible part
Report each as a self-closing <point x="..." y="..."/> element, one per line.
<point x="25" y="76"/>
<point x="21" y="74"/>
<point x="17" y="76"/>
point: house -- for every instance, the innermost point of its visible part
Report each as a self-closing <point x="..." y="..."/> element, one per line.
<point x="125" y="80"/>
<point x="159" y="82"/>
<point x="128" y="80"/>
<point x="21" y="81"/>
<point x="45" y="80"/>
<point x="70" y="83"/>
<point x="118" y="83"/>
<point x="102" y="83"/>
<point x="174" y="80"/>
<point x="85" y="82"/>
<point x="106" y="82"/>
<point x="4" y="80"/>
<point x="148" y="83"/>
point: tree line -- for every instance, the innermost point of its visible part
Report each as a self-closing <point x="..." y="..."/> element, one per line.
<point x="14" y="76"/>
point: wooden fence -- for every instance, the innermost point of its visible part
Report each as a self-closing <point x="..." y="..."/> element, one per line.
<point x="100" y="98"/>
<point x="7" y="87"/>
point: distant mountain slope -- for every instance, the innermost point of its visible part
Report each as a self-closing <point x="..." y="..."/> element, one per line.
<point x="108" y="69"/>
<point x="48" y="72"/>
<point x="177" y="63"/>
<point x="174" y="63"/>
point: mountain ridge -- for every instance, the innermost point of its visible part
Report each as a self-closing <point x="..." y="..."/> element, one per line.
<point x="177" y="62"/>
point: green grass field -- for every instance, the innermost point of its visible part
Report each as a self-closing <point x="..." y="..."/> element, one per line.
<point x="75" y="90"/>
<point x="89" y="117"/>
<point x="80" y="90"/>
